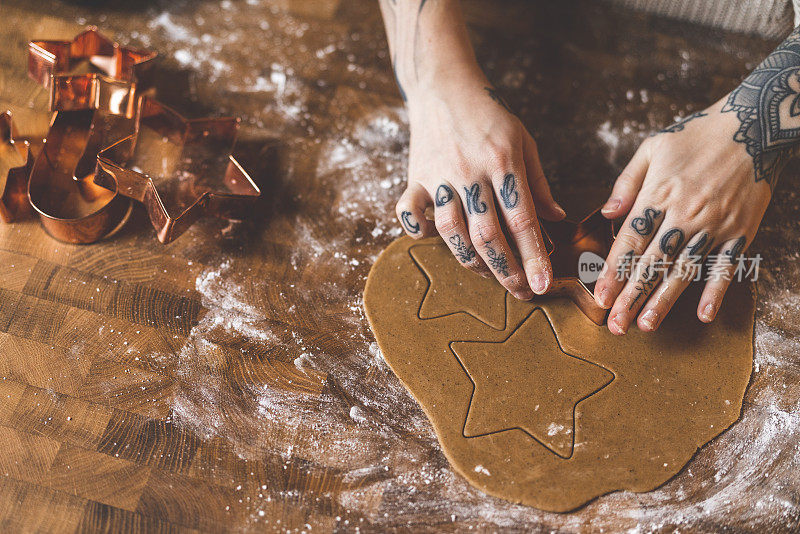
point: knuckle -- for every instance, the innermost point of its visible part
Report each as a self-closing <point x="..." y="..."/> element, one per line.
<point x="499" y="156"/>
<point x="486" y="232"/>
<point x="447" y="224"/>
<point x="629" y="242"/>
<point x="522" y="222"/>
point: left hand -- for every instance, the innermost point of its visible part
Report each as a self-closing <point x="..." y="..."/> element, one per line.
<point x="688" y="191"/>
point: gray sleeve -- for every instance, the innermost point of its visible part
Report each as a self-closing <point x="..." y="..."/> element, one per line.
<point x="768" y="18"/>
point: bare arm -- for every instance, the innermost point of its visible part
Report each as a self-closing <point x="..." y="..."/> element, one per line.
<point x="700" y="187"/>
<point x="470" y="157"/>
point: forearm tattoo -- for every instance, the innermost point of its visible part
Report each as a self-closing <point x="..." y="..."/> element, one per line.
<point x="671" y="242"/>
<point x="497" y="260"/>
<point x="681" y="124"/>
<point x="474" y="204"/>
<point x="767" y="105"/>
<point x="509" y="193"/>
<point x="408" y="222"/>
<point x="443" y="195"/>
<point x="464" y="253"/>
<point x="644" y="225"/>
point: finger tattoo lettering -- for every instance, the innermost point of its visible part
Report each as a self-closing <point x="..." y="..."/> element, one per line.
<point x="474" y="204"/>
<point x="644" y="225"/>
<point x="736" y="250"/>
<point x="509" y="193"/>
<point x="671" y="241"/>
<point x="443" y="195"/>
<point x="409" y="223"/>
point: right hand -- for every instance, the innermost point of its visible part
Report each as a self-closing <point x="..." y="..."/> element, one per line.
<point x="468" y="156"/>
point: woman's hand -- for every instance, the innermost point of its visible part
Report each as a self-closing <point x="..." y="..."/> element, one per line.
<point x="688" y="191"/>
<point x="474" y="162"/>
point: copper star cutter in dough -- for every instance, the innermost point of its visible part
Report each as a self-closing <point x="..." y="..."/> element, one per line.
<point x="16" y="161"/>
<point x="568" y="241"/>
<point x="180" y="169"/>
<point x="94" y="86"/>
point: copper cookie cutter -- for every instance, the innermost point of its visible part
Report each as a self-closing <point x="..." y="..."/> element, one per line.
<point x="16" y="161"/>
<point x="125" y="72"/>
<point x="92" y="110"/>
<point x="180" y="169"/>
<point x="566" y="241"/>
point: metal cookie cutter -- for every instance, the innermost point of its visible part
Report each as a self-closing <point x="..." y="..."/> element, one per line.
<point x="180" y="169"/>
<point x="123" y="72"/>
<point x="93" y="110"/>
<point x="16" y="161"/>
<point x="570" y="240"/>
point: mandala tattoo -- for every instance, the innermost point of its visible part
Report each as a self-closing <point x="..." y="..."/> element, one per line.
<point x="681" y="124"/>
<point x="464" y="253"/>
<point x="767" y="105"/>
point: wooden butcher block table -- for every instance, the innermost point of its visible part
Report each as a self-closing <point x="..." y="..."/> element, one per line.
<point x="229" y="381"/>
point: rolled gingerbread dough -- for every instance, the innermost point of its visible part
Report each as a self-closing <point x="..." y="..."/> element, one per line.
<point x="534" y="403"/>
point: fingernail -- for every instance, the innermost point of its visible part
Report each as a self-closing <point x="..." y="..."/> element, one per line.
<point x="708" y="313"/>
<point x="539" y="283"/>
<point x="526" y="294"/>
<point x="611" y="205"/>
<point x="649" y="319"/>
<point x="602" y="298"/>
<point x="620" y="329"/>
<point x="561" y="211"/>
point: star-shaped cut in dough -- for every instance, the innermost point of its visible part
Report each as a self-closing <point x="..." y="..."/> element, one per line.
<point x="453" y="289"/>
<point x="528" y="382"/>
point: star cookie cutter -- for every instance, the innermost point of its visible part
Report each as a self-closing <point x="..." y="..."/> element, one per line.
<point x="93" y="110"/>
<point x="71" y="207"/>
<point x="124" y="72"/>
<point x="16" y="160"/>
<point x="569" y="240"/>
<point x="180" y="169"/>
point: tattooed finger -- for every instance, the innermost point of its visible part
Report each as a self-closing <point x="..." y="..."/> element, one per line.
<point x="646" y="275"/>
<point x="633" y="238"/>
<point x="518" y="211"/>
<point x="687" y="268"/>
<point x="411" y="212"/>
<point x="489" y="241"/>
<point x="722" y="269"/>
<point x="449" y="218"/>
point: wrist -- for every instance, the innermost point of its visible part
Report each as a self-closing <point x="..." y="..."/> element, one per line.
<point x="445" y="81"/>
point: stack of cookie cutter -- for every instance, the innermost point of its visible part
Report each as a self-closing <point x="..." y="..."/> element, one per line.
<point x="16" y="161"/>
<point x="97" y="91"/>
<point x="566" y="241"/>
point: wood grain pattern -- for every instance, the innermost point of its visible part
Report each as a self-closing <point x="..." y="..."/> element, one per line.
<point x="110" y="355"/>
